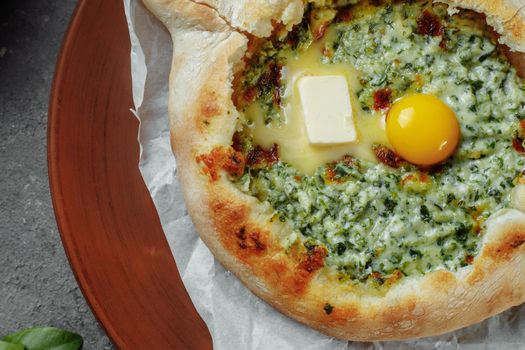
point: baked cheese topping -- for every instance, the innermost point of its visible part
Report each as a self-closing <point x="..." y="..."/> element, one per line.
<point x="382" y="218"/>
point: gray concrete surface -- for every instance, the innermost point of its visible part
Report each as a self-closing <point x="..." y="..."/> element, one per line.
<point x="37" y="286"/>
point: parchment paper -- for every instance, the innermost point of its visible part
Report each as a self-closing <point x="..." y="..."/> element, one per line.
<point x="235" y="317"/>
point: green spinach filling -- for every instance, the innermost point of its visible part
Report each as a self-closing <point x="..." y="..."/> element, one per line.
<point x="377" y="221"/>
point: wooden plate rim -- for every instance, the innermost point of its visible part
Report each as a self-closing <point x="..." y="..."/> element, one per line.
<point x="57" y="197"/>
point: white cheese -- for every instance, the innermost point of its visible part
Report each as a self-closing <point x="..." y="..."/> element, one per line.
<point x="327" y="110"/>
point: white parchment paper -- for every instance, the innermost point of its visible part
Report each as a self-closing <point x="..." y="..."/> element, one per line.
<point x="235" y="317"/>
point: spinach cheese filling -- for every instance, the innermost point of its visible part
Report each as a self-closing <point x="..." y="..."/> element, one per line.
<point x="382" y="218"/>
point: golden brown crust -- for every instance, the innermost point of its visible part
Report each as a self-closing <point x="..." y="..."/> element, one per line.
<point x="257" y="17"/>
<point x="507" y="17"/>
<point x="245" y="238"/>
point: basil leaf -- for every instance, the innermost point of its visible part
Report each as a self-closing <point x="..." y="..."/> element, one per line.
<point x="46" y="338"/>
<point x="10" y="346"/>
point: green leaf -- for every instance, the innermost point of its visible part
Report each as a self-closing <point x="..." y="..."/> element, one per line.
<point x="10" y="346"/>
<point x="46" y="338"/>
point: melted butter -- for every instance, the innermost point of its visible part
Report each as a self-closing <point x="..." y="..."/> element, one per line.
<point x="294" y="147"/>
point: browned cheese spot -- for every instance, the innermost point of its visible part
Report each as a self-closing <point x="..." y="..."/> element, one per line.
<point x="221" y="158"/>
<point x="250" y="240"/>
<point x="260" y="157"/>
<point x="388" y="157"/>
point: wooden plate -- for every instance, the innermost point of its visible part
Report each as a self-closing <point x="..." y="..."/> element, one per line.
<point x="107" y="220"/>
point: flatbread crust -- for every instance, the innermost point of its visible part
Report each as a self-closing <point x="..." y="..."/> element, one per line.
<point x="208" y="41"/>
<point x="255" y="16"/>
<point x="507" y="17"/>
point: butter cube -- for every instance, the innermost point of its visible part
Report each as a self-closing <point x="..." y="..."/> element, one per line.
<point x="327" y="109"/>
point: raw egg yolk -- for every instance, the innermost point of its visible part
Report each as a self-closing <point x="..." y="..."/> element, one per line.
<point x="422" y="129"/>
